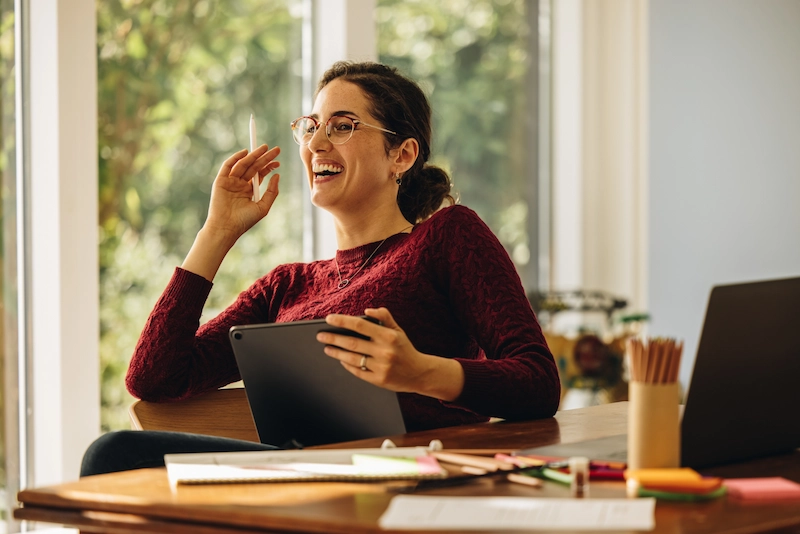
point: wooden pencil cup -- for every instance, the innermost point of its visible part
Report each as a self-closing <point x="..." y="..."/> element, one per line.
<point x="653" y="426"/>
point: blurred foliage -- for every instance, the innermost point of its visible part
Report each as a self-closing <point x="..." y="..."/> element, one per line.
<point x="471" y="58"/>
<point x="8" y="294"/>
<point x="177" y="82"/>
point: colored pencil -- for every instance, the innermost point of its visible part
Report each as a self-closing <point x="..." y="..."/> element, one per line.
<point x="654" y="361"/>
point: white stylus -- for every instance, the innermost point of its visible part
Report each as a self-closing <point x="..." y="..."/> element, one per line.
<point x="253" y="147"/>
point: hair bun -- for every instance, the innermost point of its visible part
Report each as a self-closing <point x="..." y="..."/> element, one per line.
<point x="423" y="192"/>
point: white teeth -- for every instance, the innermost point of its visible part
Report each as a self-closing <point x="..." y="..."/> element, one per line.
<point x="319" y="168"/>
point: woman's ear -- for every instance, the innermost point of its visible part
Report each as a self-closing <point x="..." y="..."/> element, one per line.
<point x="405" y="155"/>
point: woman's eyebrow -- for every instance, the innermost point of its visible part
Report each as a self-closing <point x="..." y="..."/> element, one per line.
<point x="337" y="114"/>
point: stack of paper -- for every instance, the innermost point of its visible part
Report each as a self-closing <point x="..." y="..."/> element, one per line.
<point x="412" y="512"/>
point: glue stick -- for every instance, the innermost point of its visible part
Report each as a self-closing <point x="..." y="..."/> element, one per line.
<point x="579" y="468"/>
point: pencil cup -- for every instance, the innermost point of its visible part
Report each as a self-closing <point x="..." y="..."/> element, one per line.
<point x="653" y="426"/>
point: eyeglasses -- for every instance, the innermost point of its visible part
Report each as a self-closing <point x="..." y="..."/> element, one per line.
<point x="339" y="129"/>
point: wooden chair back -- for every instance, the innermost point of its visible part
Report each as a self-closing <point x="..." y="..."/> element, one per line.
<point x="224" y="412"/>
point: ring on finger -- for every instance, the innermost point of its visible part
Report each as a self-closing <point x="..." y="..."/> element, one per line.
<point x="364" y="362"/>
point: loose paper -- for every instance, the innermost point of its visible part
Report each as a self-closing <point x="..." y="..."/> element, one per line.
<point x="418" y="512"/>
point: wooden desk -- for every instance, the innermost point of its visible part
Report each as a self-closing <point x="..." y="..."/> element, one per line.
<point x="141" y="501"/>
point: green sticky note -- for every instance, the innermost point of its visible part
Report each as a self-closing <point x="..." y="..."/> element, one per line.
<point x="385" y="465"/>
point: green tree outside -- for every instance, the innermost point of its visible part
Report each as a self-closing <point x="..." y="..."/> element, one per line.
<point x="177" y="83"/>
<point x="471" y="57"/>
<point x="8" y="293"/>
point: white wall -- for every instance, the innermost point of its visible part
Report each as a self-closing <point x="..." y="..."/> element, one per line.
<point x="64" y="402"/>
<point x="567" y="133"/>
<point x="599" y="146"/>
<point x="356" y="26"/>
<point x="724" y="153"/>
<point x="614" y="149"/>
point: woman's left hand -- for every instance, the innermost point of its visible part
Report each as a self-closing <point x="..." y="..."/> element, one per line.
<point x="388" y="359"/>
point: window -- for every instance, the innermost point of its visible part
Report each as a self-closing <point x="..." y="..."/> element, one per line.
<point x="474" y="60"/>
<point x="9" y="437"/>
<point x="177" y="83"/>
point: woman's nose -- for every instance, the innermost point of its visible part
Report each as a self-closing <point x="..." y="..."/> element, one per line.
<point x="319" y="140"/>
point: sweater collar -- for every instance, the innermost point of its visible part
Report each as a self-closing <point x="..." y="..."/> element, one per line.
<point x="359" y="254"/>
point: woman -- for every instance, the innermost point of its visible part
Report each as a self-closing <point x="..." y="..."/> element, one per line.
<point x="458" y="340"/>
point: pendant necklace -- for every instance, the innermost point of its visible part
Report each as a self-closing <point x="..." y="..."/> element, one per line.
<point x="344" y="282"/>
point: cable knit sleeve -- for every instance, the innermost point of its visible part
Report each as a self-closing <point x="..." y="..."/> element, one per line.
<point x="518" y="378"/>
<point x="175" y="357"/>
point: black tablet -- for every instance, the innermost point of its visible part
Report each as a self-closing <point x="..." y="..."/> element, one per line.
<point x="299" y="396"/>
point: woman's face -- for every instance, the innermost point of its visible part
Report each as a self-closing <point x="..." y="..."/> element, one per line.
<point x="355" y="175"/>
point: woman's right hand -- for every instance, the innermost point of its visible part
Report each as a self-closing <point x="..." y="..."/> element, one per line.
<point x="232" y="211"/>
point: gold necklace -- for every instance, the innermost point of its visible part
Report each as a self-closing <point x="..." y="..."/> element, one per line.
<point x="344" y="282"/>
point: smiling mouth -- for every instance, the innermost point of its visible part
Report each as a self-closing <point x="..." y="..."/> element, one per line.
<point x="323" y="171"/>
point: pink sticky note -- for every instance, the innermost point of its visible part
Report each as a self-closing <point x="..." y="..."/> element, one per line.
<point x="763" y="489"/>
<point x="428" y="465"/>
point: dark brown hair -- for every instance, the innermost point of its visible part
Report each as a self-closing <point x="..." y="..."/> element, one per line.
<point x="401" y="106"/>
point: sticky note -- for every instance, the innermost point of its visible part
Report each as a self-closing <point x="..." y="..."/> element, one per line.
<point x="763" y="489"/>
<point x="375" y="464"/>
<point x="676" y="480"/>
<point x="646" y="477"/>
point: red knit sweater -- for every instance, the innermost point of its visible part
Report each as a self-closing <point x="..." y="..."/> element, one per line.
<point x="449" y="284"/>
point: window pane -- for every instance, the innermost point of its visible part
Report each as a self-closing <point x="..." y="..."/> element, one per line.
<point x="471" y="58"/>
<point x="9" y="453"/>
<point x="177" y="84"/>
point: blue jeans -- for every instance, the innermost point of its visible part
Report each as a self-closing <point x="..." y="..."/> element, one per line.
<point x="133" y="449"/>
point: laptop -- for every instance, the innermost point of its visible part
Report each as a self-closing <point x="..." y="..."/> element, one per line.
<point x="301" y="397"/>
<point x="743" y="401"/>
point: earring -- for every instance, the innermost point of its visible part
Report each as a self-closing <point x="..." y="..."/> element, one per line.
<point x="397" y="178"/>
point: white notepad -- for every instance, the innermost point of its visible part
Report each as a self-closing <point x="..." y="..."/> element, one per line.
<point x="404" y="463"/>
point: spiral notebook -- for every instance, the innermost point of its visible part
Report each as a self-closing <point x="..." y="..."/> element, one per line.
<point x="403" y="463"/>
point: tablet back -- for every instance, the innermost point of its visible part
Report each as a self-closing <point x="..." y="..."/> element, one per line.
<point x="301" y="397"/>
